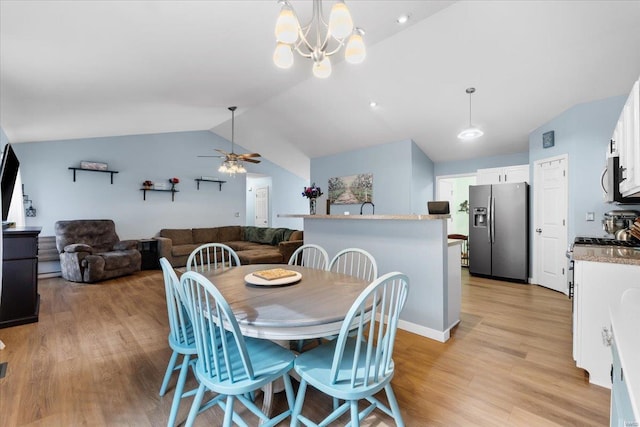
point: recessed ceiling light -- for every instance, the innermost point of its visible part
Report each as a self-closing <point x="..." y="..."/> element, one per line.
<point x="402" y="19"/>
<point x="373" y="104"/>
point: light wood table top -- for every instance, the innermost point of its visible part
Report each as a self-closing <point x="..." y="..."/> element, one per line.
<point x="311" y="308"/>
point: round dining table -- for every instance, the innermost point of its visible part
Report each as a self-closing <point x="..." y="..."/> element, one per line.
<point x="312" y="306"/>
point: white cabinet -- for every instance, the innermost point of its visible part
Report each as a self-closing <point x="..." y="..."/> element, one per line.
<point x="597" y="285"/>
<point x="625" y="370"/>
<point x="505" y="175"/>
<point x="627" y="138"/>
<point x="621" y="409"/>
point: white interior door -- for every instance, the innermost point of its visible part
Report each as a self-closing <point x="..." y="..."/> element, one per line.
<point x="262" y="207"/>
<point x="550" y="223"/>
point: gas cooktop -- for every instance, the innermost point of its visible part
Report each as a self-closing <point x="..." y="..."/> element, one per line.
<point x="605" y="241"/>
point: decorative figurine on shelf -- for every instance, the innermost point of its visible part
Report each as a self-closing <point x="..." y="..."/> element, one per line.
<point x="312" y="193"/>
<point x="147" y="185"/>
<point x="173" y="182"/>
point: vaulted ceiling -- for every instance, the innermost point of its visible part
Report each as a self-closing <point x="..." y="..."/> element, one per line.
<point x="76" y="69"/>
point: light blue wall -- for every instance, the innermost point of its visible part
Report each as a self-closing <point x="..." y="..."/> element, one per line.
<point x="156" y="157"/>
<point x="422" y="180"/>
<point x="392" y="168"/>
<point x="582" y="132"/>
<point x="3" y="138"/>
<point x="472" y="165"/>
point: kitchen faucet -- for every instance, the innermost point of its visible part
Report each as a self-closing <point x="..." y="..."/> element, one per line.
<point x="368" y="203"/>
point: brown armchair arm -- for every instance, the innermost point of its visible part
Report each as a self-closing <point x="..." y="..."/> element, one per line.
<point x="288" y="248"/>
<point x="78" y="247"/>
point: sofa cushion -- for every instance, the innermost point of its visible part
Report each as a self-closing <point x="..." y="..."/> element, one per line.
<point x="229" y="233"/>
<point x="241" y="245"/>
<point x="206" y="235"/>
<point x="260" y="256"/>
<point x="296" y="235"/>
<point x="183" y="250"/>
<point x="177" y="236"/>
<point x="266" y="235"/>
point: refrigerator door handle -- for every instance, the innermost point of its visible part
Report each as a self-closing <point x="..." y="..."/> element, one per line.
<point x="493" y="219"/>
<point x="489" y="219"/>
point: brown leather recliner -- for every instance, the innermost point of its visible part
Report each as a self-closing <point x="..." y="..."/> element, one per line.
<point x="91" y="251"/>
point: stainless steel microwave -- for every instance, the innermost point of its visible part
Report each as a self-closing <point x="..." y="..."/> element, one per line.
<point x="610" y="181"/>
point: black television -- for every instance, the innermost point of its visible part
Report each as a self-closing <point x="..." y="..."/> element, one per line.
<point x="8" y="176"/>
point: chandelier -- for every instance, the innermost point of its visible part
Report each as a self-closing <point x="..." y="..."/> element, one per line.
<point x="317" y="40"/>
<point x="471" y="132"/>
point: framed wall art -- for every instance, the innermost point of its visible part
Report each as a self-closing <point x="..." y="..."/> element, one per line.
<point x="351" y="190"/>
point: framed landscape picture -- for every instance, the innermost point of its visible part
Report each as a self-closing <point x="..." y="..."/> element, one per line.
<point x="351" y="190"/>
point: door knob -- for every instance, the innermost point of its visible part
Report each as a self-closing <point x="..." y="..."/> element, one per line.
<point x="538" y="230"/>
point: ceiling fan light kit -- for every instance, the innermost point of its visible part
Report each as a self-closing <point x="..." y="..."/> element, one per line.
<point x="290" y="36"/>
<point x="471" y="132"/>
<point x="233" y="163"/>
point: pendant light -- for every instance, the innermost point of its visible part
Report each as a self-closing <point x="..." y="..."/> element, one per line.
<point x="471" y="132"/>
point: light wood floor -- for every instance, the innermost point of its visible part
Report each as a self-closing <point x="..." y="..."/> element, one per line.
<point x="98" y="354"/>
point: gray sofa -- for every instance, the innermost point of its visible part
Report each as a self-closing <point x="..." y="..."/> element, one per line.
<point x="91" y="251"/>
<point x="254" y="245"/>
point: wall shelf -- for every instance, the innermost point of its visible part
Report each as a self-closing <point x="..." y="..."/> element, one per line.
<point x="198" y="180"/>
<point x="74" y="169"/>
<point x="172" y="191"/>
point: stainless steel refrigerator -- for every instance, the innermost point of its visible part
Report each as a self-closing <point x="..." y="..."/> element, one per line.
<point x="499" y="231"/>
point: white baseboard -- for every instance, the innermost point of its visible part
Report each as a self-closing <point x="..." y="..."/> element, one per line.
<point x="441" y="336"/>
<point x="49" y="275"/>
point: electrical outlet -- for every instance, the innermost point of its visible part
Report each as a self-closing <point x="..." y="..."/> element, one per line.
<point x="591" y="216"/>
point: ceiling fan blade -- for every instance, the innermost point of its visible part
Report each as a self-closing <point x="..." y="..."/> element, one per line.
<point x="223" y="152"/>
<point x="251" y="155"/>
<point x="251" y="160"/>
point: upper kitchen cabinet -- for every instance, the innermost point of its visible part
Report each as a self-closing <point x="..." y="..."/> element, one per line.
<point x="627" y="133"/>
<point x="505" y="175"/>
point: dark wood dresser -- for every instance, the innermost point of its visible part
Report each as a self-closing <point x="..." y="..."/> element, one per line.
<point x="19" y="302"/>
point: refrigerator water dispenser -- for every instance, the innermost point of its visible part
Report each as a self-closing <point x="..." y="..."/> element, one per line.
<point x="480" y="217"/>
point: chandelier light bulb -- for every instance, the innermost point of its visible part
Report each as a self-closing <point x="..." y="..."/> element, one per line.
<point x="340" y="22"/>
<point x="283" y="56"/>
<point x="355" y="52"/>
<point x="287" y="25"/>
<point x="322" y="69"/>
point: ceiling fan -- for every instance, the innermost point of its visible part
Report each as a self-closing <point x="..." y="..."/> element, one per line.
<point x="232" y="158"/>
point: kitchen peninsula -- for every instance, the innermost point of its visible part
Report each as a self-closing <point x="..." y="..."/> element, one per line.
<point x="416" y="245"/>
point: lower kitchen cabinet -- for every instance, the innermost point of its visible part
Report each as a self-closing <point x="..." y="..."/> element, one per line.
<point x="621" y="409"/>
<point x="597" y="285"/>
<point x="625" y="369"/>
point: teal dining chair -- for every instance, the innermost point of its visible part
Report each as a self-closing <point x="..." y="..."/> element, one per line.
<point x="228" y="363"/>
<point x="311" y="256"/>
<point x="357" y="366"/>
<point x="355" y="262"/>
<point x="212" y="256"/>
<point x="181" y="339"/>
